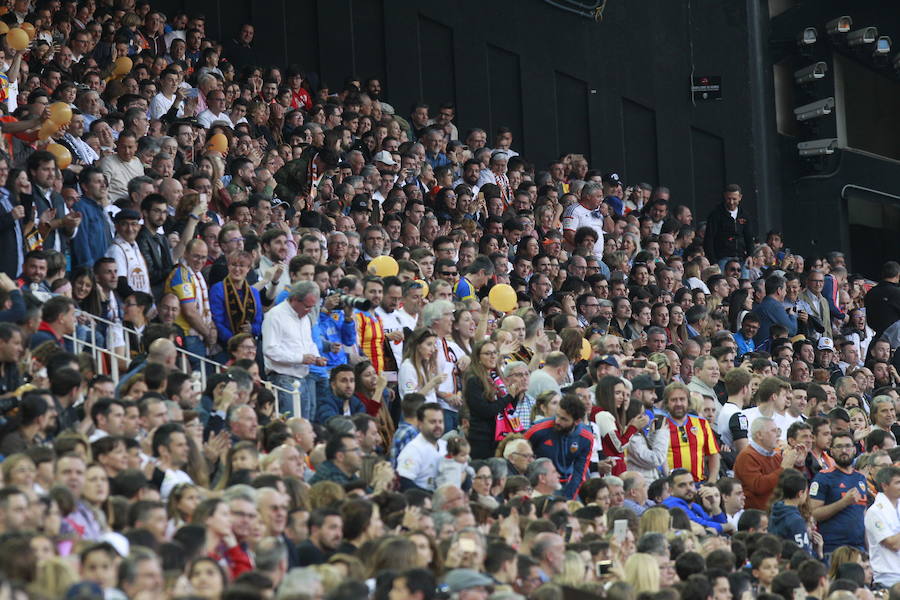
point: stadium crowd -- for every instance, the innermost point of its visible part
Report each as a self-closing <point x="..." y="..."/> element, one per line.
<point x="261" y="337"/>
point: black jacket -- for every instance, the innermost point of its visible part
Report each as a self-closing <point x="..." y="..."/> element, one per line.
<point x="727" y="237"/>
<point x="883" y="306"/>
<point x="35" y="205"/>
<point x="158" y="256"/>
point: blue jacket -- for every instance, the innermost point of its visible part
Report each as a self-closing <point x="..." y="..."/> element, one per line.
<point x="93" y="236"/>
<point x="771" y="312"/>
<point x="787" y="522"/>
<point x="331" y="405"/>
<point x="570" y="452"/>
<point x="220" y="315"/>
<point x="332" y="328"/>
<point x="696" y="513"/>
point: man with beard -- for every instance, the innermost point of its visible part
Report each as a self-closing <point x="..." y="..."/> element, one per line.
<point x="154" y="246"/>
<point x="691" y="440"/>
<point x="273" y="261"/>
<point x="837" y="498"/>
<point x="681" y="486"/>
<point x="419" y="460"/>
<point x="565" y="442"/>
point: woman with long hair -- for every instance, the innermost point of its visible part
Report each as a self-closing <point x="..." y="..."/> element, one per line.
<point x="545" y="406"/>
<point x="90" y="517"/>
<point x="677" y="330"/>
<point x="235" y="304"/>
<point x="243" y="456"/>
<point x="180" y="506"/>
<point x="612" y="397"/>
<point x="489" y="400"/>
<point x="207" y="578"/>
<point x="463" y="332"/>
<point x="214" y="516"/>
<point x="372" y="391"/>
<point x="642" y="573"/>
<point x="739" y="304"/>
<point x="418" y="371"/>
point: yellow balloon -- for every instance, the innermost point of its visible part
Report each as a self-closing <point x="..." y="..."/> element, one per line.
<point x="4" y="28"/>
<point x="424" y="285"/>
<point x="62" y="154"/>
<point x="60" y="113"/>
<point x="219" y="143"/>
<point x="48" y="128"/>
<point x="586" y="350"/>
<point x="384" y="266"/>
<point x="17" y="39"/>
<point x="503" y="298"/>
<point x="29" y="29"/>
<point x="122" y="66"/>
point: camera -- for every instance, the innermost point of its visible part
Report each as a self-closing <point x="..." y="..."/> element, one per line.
<point x="354" y="302"/>
<point x="860" y="37"/>
<point x="811" y="73"/>
<point x="817" y="147"/>
<point x="814" y="109"/>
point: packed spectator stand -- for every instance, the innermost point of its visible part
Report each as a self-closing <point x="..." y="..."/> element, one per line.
<point x="265" y="338"/>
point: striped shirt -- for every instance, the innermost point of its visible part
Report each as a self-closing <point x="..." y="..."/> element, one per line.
<point x="689" y="444"/>
<point x="370" y="337"/>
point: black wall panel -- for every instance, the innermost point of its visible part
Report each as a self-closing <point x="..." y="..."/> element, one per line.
<point x="573" y="123"/>
<point x="506" y="94"/>
<point x="708" y="156"/>
<point x="436" y="63"/>
<point x="641" y="159"/>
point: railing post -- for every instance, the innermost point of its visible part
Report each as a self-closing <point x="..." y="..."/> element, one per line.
<point x="295" y="397"/>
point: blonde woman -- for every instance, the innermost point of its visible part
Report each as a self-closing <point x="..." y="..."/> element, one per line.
<point x="642" y="572"/>
<point x="574" y="571"/>
<point x="655" y="520"/>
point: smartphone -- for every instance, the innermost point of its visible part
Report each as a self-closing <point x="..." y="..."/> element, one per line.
<point x="637" y="363"/>
<point x="603" y="567"/>
<point x="659" y="421"/>
<point x="568" y="533"/>
<point x="620" y="529"/>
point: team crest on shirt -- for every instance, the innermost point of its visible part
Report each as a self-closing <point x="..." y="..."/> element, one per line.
<point x="573" y="447"/>
<point x="814" y="488"/>
<point x="742" y="421"/>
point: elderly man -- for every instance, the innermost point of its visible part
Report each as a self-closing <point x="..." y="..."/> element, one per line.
<point x="289" y="349"/>
<point x="438" y="316"/>
<point x="758" y="467"/>
<point x="519" y="456"/>
<point x="543" y="477"/>
<point x="635" y="489"/>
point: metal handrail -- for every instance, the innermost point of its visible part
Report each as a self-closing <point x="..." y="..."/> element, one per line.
<point x="99" y="352"/>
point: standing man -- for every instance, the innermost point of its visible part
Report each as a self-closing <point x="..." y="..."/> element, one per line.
<point x="692" y="444"/>
<point x="154" y="246"/>
<point x="883" y="300"/>
<point x="417" y="464"/>
<point x="566" y="442"/>
<point x="187" y="283"/>
<point x="729" y="233"/>
<point x="771" y="310"/>
<point x="737" y="385"/>
<point x="123" y="166"/>
<point x="130" y="263"/>
<point x="289" y="349"/>
<point x="94" y="235"/>
<point x="812" y="299"/>
<point x="586" y="214"/>
<point x="54" y="224"/>
<point x="369" y="328"/>
<point x="838" y="498"/>
<point x="883" y="528"/>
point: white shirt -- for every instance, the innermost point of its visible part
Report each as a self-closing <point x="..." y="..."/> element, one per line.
<point x="206" y="118"/>
<point x="391" y="322"/>
<point x="781" y="421"/>
<point x="130" y="264"/>
<point x="408" y="382"/>
<point x="578" y="216"/>
<point x="161" y="104"/>
<point x="446" y="363"/>
<point x="722" y="420"/>
<point x="882" y="521"/>
<point x="286" y="338"/>
<point x="173" y="477"/>
<point x="419" y="461"/>
<point x="406" y="319"/>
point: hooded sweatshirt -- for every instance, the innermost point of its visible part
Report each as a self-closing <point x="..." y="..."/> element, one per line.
<point x="787" y="522"/>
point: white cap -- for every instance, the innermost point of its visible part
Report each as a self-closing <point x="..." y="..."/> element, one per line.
<point x="385" y="157"/>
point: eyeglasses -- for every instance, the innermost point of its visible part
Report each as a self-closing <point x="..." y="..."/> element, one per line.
<point x="523" y="455"/>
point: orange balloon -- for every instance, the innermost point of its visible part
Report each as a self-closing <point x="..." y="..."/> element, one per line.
<point x="17" y="39"/>
<point x="29" y="29"/>
<point x="4" y="28"/>
<point x="62" y="154"/>
<point x="219" y="143"/>
<point x="122" y="66"/>
<point x="60" y="113"/>
<point x="48" y="128"/>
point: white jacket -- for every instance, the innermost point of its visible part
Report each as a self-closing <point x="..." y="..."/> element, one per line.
<point x="645" y="454"/>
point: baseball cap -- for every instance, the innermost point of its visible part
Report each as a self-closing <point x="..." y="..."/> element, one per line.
<point x="360" y="203"/>
<point x="459" y="580"/>
<point x="127" y="215"/>
<point x="276" y="201"/>
<point x="612" y="178"/>
<point x="384" y="157"/>
<point x="608" y="359"/>
<point x="826" y="343"/>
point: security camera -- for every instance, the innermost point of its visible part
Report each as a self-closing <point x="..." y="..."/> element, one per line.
<point x="866" y="35"/>
<point x="817" y="147"/>
<point x="839" y="25"/>
<point x="882" y="46"/>
<point x="814" y="109"/>
<point x="811" y="73"/>
<point x="807" y="37"/>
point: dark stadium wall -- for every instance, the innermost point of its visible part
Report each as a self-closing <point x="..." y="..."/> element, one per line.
<point x="617" y="91"/>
